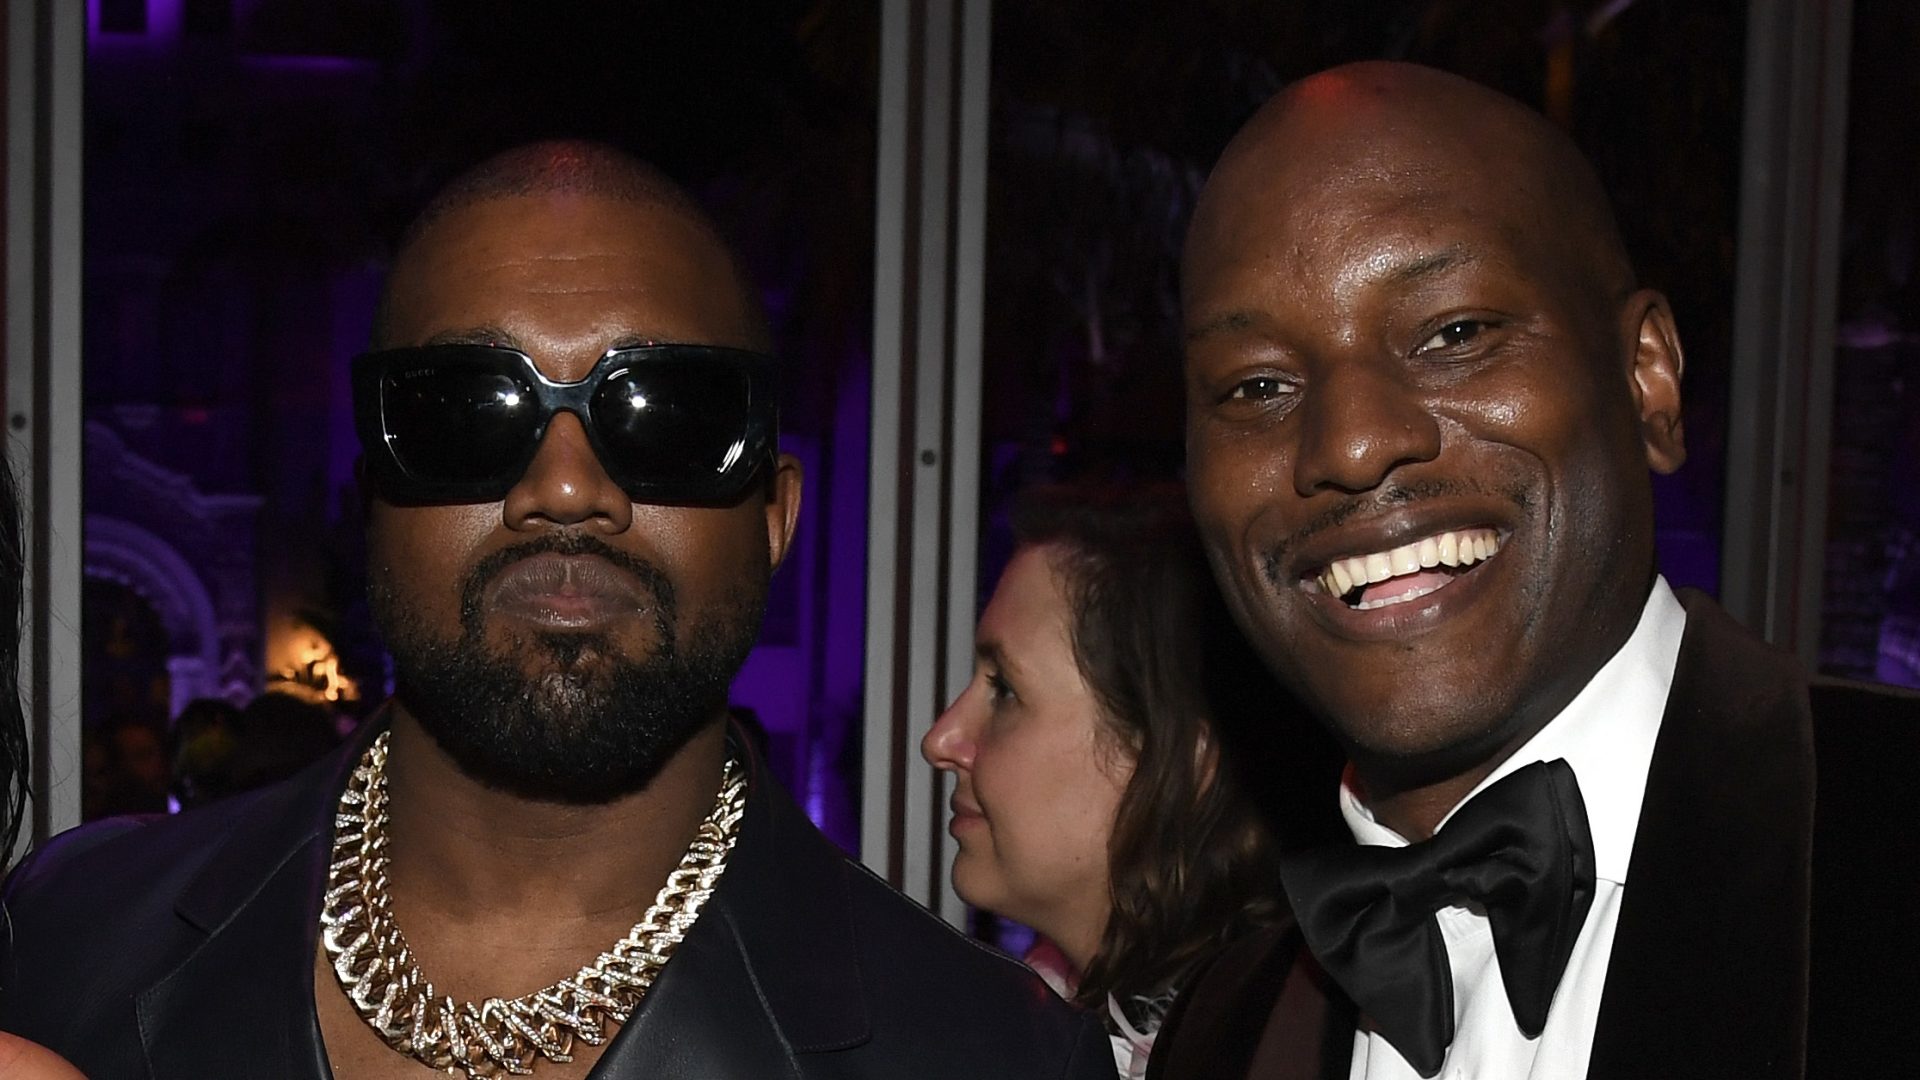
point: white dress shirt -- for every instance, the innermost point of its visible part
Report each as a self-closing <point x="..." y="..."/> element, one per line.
<point x="1606" y="733"/>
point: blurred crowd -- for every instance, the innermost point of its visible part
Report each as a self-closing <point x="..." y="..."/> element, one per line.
<point x="215" y="749"/>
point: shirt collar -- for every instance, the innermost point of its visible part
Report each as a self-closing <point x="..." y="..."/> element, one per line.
<point x="1606" y="733"/>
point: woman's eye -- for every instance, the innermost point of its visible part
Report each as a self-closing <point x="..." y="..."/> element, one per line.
<point x="998" y="688"/>
<point x="1453" y="335"/>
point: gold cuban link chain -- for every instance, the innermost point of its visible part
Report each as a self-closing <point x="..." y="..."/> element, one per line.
<point x="495" y="1037"/>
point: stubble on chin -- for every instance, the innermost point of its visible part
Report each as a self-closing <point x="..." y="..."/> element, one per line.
<point x="567" y="717"/>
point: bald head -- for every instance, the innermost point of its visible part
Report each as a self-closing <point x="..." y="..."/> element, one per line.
<point x="1410" y="320"/>
<point x="1437" y="139"/>
<point x="566" y="170"/>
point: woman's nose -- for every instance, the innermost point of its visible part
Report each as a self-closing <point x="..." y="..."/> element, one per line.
<point x="949" y="743"/>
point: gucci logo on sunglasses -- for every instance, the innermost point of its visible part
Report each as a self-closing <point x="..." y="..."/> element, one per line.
<point x="461" y="423"/>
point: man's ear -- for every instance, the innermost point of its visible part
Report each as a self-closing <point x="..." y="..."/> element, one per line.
<point x="783" y="507"/>
<point x="1654" y="371"/>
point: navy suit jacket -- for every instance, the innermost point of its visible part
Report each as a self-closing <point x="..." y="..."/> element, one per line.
<point x="1771" y="925"/>
<point x="184" y="948"/>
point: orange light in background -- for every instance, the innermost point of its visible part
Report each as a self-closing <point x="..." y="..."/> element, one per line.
<point x="307" y="667"/>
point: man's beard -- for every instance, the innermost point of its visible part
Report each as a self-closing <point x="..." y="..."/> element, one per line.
<point x="592" y="724"/>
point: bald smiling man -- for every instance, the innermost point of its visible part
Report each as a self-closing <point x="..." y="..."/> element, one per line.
<point x="1425" y="394"/>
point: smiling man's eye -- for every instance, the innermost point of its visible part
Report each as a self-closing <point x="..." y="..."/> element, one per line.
<point x="1454" y="334"/>
<point x="1259" y="388"/>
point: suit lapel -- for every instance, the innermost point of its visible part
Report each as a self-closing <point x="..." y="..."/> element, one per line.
<point x="770" y="970"/>
<point x="1708" y="973"/>
<point x="225" y="1010"/>
<point x="702" y="1020"/>
<point x="241" y="1004"/>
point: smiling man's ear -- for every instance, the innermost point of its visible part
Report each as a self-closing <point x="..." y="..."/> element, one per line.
<point x="1654" y="370"/>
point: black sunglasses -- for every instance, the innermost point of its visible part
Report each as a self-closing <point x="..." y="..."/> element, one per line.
<point x="461" y="423"/>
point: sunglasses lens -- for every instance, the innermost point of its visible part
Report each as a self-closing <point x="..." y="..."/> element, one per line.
<point x="679" y="424"/>
<point x="458" y="422"/>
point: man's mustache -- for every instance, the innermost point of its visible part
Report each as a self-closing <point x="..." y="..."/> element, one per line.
<point x="1380" y="501"/>
<point x="650" y="575"/>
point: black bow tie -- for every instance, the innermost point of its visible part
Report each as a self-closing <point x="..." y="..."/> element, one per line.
<point x="1520" y="850"/>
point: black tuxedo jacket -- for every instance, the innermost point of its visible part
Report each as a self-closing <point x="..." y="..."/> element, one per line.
<point x="1765" y="934"/>
<point x="185" y="949"/>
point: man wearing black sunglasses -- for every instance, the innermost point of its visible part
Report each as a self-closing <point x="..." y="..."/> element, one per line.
<point x="548" y="853"/>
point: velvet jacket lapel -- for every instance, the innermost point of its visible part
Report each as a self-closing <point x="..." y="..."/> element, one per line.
<point x="1261" y="1009"/>
<point x="768" y="973"/>
<point x="1708" y="975"/>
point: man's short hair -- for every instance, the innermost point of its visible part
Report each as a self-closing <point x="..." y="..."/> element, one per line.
<point x="569" y="167"/>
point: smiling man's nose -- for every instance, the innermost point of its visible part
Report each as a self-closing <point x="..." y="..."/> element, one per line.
<point x="566" y="484"/>
<point x="1360" y="422"/>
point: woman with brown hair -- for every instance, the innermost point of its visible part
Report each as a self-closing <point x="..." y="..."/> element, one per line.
<point x="1092" y="800"/>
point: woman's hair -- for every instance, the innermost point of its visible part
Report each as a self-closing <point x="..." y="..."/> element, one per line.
<point x="1191" y="856"/>
<point x="13" y="723"/>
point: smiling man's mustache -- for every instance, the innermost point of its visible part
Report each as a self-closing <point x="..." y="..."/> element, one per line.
<point x="1396" y="496"/>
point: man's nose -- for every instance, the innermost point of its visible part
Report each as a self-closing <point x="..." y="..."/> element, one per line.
<point x="1361" y="420"/>
<point x="566" y="484"/>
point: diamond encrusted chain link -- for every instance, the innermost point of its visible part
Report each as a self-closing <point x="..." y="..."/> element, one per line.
<point x="497" y="1036"/>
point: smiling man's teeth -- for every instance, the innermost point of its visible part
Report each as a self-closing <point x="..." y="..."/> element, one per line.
<point x="1462" y="547"/>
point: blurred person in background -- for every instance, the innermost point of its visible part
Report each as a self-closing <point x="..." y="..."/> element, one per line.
<point x="204" y="735"/>
<point x="1097" y="799"/>
<point x="276" y="736"/>
<point x="127" y="769"/>
<point x="141" y="765"/>
<point x="220" y="750"/>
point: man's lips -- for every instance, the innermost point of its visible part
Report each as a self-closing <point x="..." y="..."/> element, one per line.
<point x="1366" y="583"/>
<point x="567" y="592"/>
<point x="1405" y="572"/>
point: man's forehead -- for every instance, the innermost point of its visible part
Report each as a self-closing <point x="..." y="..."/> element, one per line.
<point x="1401" y="263"/>
<point x="558" y="226"/>
<point x="1350" y="166"/>
<point x="1345" y="233"/>
<point x="604" y="335"/>
<point x="601" y="273"/>
<point x="1314" y="187"/>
